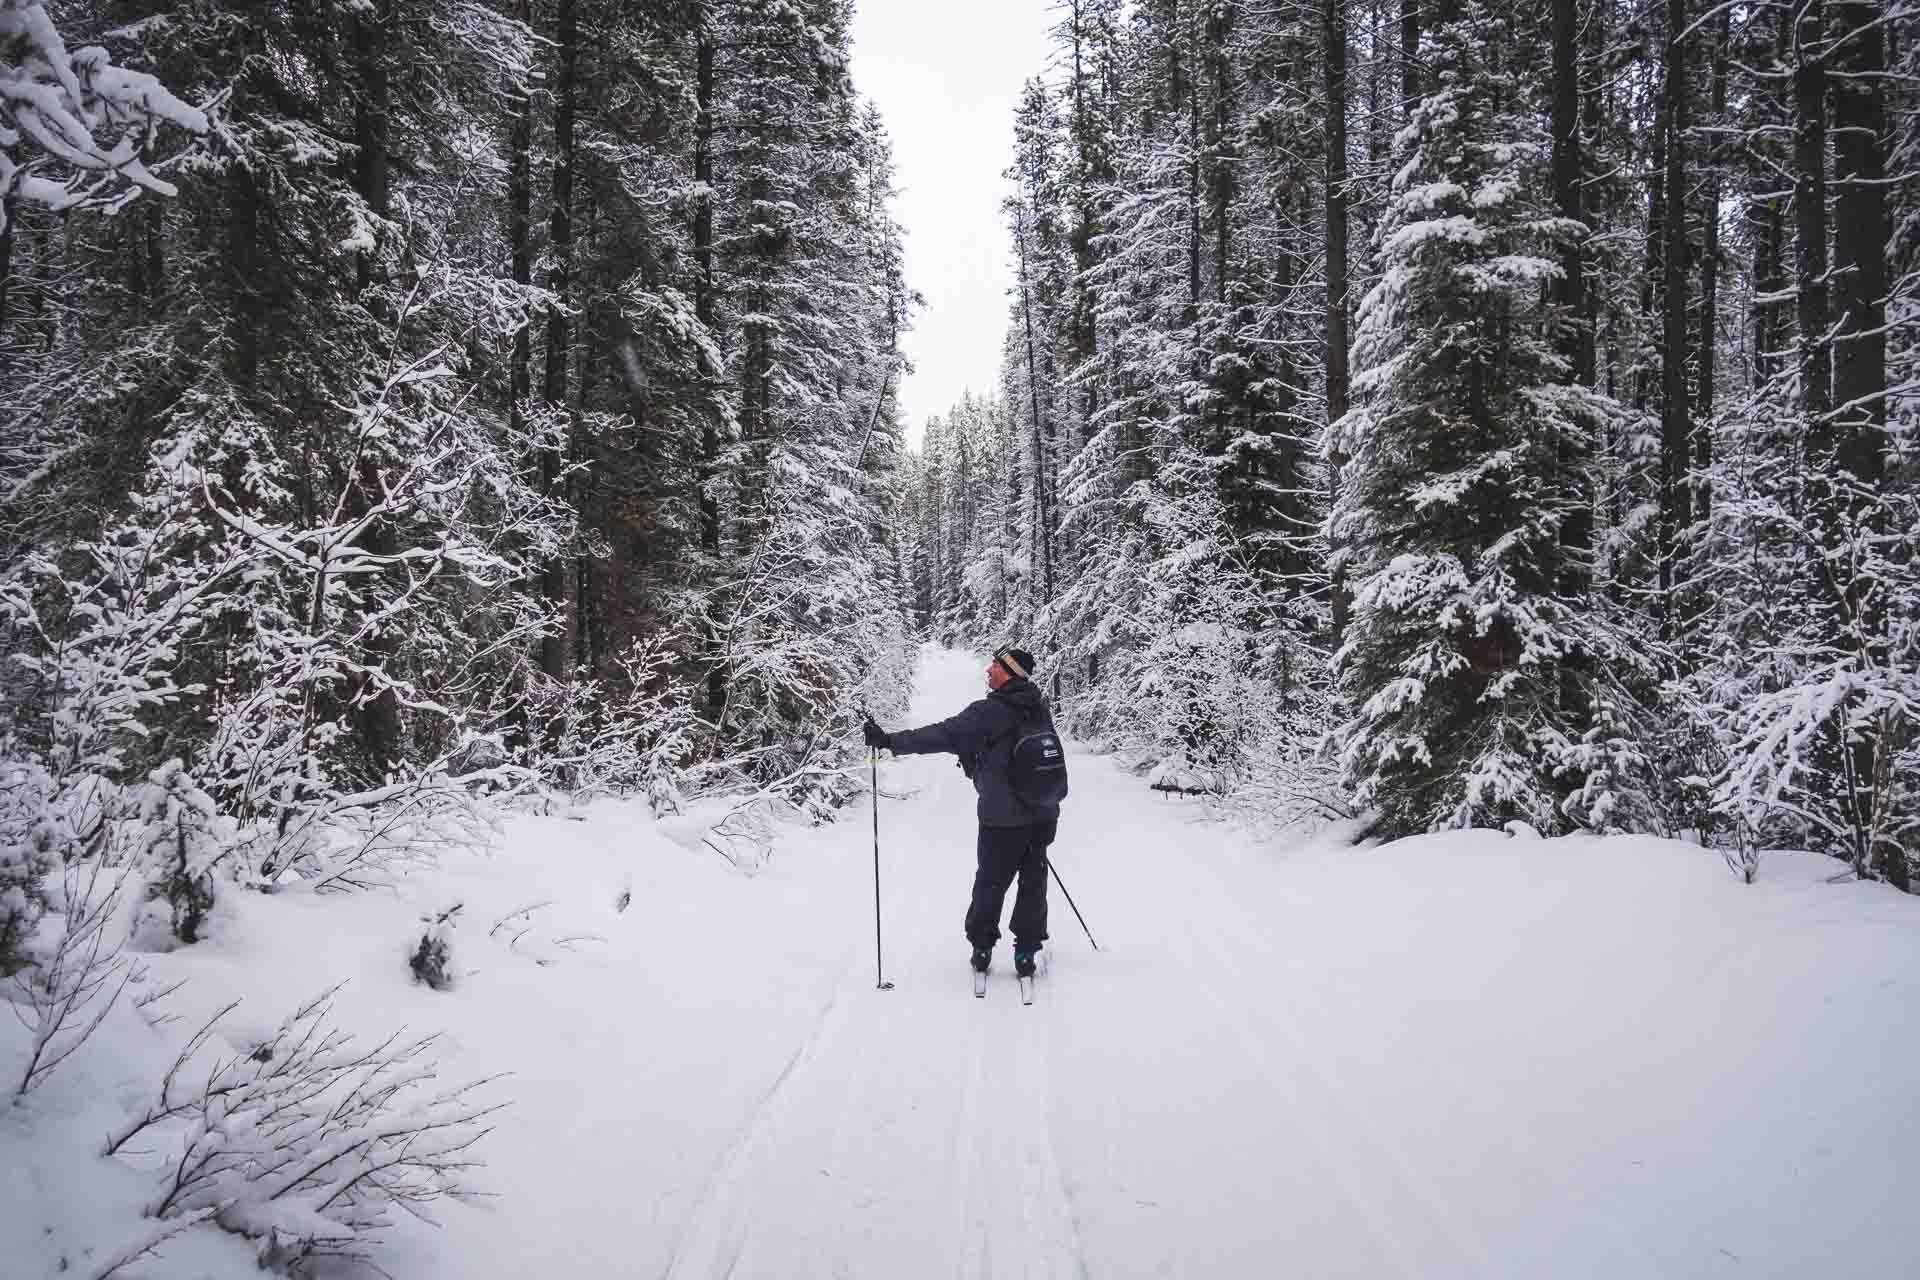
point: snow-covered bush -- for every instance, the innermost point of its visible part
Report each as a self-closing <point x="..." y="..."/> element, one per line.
<point x="181" y="843"/>
<point x="434" y="953"/>
<point x="73" y="979"/>
<point x="306" y="1142"/>
<point x="632" y="734"/>
<point x="804" y="636"/>
<point x="1815" y="738"/>
<point x="86" y="126"/>
<point x="27" y="854"/>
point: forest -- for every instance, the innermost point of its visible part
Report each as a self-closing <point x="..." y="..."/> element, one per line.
<point x="1446" y="415"/>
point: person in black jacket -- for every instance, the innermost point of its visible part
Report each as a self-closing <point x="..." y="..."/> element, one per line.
<point x="1013" y="834"/>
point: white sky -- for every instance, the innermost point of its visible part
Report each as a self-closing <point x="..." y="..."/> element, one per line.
<point x="946" y="78"/>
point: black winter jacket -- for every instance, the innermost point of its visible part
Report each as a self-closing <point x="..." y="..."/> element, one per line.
<point x="982" y="735"/>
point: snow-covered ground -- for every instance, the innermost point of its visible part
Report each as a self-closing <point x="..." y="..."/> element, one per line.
<point x="1462" y="1055"/>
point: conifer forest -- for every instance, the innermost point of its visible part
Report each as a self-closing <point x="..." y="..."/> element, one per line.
<point x="1441" y="414"/>
<point x="477" y="552"/>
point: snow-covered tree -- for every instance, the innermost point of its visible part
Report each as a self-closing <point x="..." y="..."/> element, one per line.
<point x="1454" y="491"/>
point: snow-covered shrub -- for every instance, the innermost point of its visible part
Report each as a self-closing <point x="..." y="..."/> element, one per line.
<point x="307" y="1141"/>
<point x="1807" y="705"/>
<point x="73" y="979"/>
<point x="632" y="734"/>
<point x="27" y="855"/>
<point x="86" y="126"/>
<point x="431" y="958"/>
<point x="181" y="841"/>
<point x="798" y="637"/>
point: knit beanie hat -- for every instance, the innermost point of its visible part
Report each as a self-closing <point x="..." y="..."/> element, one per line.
<point x="1018" y="661"/>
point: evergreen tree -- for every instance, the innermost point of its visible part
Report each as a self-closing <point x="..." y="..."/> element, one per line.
<point x="1453" y="498"/>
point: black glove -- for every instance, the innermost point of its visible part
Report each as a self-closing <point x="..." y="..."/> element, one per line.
<point x="875" y="736"/>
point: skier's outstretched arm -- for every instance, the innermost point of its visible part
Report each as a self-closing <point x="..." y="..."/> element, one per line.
<point x="962" y="735"/>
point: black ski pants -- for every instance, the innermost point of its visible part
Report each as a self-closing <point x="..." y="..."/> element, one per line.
<point x="1004" y="853"/>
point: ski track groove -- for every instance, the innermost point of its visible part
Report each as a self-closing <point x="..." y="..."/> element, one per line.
<point x="716" y="1224"/>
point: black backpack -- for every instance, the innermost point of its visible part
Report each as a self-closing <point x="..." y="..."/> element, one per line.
<point x="1037" y="767"/>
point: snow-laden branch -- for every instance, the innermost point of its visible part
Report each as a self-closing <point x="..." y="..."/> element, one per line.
<point x="94" y="123"/>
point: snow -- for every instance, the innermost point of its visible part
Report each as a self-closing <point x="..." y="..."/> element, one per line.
<point x="1461" y="1054"/>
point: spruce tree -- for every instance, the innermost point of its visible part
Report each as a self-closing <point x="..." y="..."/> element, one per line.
<point x="1453" y="499"/>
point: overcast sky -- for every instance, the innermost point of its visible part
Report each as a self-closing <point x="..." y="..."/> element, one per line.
<point x="947" y="78"/>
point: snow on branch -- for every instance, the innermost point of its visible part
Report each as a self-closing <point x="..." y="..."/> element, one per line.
<point x="94" y="123"/>
<point x="73" y="984"/>
<point x="307" y="1141"/>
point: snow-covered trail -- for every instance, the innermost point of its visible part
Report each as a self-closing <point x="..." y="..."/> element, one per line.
<point x="1150" y="1115"/>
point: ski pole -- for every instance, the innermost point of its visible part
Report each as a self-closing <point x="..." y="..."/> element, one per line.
<point x="873" y="765"/>
<point x="1076" y="910"/>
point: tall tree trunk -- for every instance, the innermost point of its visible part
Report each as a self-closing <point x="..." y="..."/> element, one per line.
<point x="1708" y="341"/>
<point x="377" y="717"/>
<point x="1333" y="31"/>
<point x="1860" y="235"/>
<point x="519" y="235"/>
<point x="1860" y="369"/>
<point x="703" y="287"/>
<point x="554" y="579"/>
<point x="1041" y="543"/>
<point x="1577" y="338"/>
<point x="706" y="501"/>
<point x="1219" y="28"/>
<point x="1193" y="176"/>
<point x="1675" y="405"/>
<point x="1810" y="207"/>
<point x="1409" y="55"/>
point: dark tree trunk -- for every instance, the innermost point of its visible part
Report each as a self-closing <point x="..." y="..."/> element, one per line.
<point x="1219" y="27"/>
<point x="1570" y="294"/>
<point x="1576" y="344"/>
<point x="554" y="584"/>
<point x="377" y="716"/>
<point x="1333" y="30"/>
<point x="1860" y="367"/>
<point x="519" y="236"/>
<point x="1675" y="405"/>
<point x="1810" y="208"/>
<point x="1860" y="236"/>
<point x="1409" y="55"/>
<point x="703" y="291"/>
<point x="1708" y="341"/>
<point x="1193" y="180"/>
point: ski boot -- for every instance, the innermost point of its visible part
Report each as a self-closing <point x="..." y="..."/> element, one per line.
<point x="1024" y="967"/>
<point x="982" y="958"/>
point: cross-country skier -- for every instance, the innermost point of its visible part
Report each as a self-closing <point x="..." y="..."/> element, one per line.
<point x="1014" y="834"/>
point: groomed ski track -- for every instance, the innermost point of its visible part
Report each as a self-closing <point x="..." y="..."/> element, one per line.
<point x="1154" y="1113"/>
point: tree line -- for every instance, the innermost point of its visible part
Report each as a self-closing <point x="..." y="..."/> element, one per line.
<point x="1469" y="411"/>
